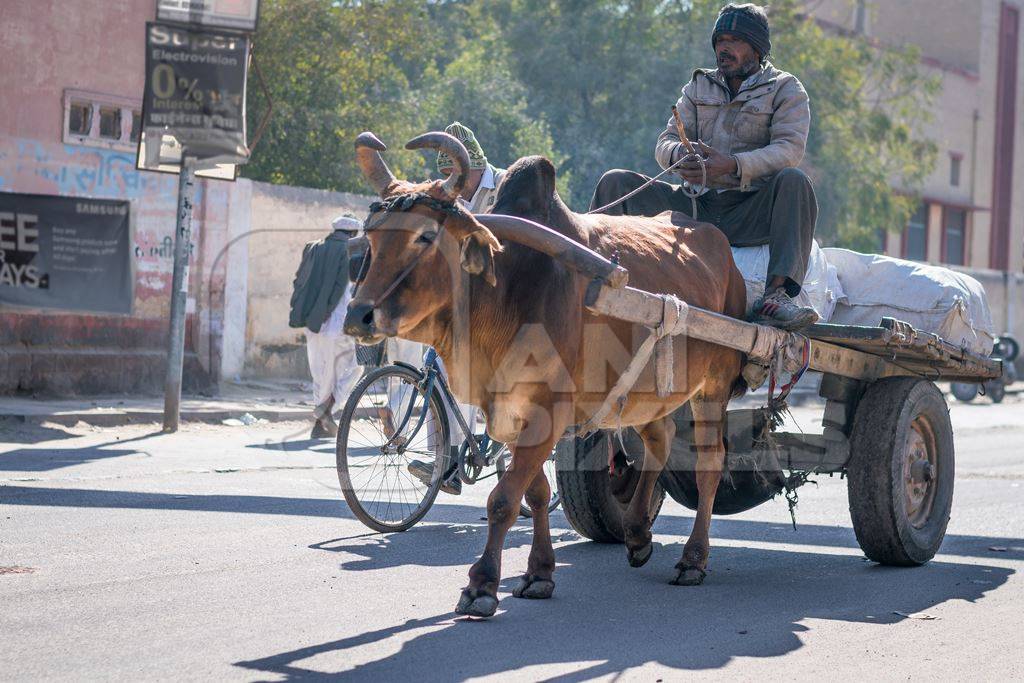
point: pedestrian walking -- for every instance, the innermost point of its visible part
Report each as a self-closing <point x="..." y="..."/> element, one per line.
<point x="320" y="296"/>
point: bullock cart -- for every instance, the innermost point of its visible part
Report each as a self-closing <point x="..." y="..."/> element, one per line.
<point x="886" y="426"/>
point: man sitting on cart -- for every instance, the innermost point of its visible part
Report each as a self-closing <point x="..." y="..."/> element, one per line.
<point x="749" y="121"/>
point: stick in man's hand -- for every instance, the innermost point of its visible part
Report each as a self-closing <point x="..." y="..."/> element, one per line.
<point x="681" y="129"/>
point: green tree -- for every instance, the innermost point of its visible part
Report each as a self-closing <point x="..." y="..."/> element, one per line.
<point x="477" y="86"/>
<point x="396" y="67"/>
<point x="865" y="151"/>
<point x="605" y="73"/>
<point x="587" y="83"/>
<point x="334" y="69"/>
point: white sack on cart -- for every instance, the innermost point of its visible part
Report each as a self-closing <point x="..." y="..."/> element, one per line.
<point x="821" y="288"/>
<point x="932" y="299"/>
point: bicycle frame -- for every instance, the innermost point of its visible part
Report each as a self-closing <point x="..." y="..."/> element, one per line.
<point x="432" y="377"/>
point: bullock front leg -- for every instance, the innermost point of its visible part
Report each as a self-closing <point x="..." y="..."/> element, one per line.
<point x="709" y="423"/>
<point x="537" y="583"/>
<point x="636" y="522"/>
<point x="480" y="597"/>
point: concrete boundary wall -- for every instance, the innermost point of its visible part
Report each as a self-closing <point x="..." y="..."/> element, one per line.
<point x="283" y="220"/>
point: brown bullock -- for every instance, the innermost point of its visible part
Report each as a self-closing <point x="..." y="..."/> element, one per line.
<point x="518" y="342"/>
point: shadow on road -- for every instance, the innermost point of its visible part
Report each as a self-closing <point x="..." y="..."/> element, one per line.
<point x="605" y="617"/>
<point x="261" y="505"/>
<point x="434" y="545"/>
<point x="45" y="460"/>
<point x="29" y="432"/>
<point x="447" y="525"/>
<point x="296" y="445"/>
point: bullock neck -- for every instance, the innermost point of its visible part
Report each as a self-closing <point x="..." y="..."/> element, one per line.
<point x="465" y="355"/>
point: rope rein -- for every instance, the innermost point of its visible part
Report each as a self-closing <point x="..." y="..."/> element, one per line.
<point x="691" y="191"/>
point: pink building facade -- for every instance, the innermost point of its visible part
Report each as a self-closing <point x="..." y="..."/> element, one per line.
<point x="73" y="78"/>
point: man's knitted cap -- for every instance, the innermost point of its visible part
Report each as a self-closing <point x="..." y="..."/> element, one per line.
<point x="463" y="134"/>
<point x="749" y="22"/>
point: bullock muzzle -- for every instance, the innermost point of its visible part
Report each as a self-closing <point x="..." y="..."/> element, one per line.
<point x="360" y="324"/>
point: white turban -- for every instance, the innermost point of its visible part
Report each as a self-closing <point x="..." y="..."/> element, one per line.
<point x="348" y="223"/>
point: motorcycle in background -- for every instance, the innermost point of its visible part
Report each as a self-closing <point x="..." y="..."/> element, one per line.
<point x="1007" y="349"/>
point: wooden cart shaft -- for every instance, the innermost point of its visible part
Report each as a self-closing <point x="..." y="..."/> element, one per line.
<point x="894" y="349"/>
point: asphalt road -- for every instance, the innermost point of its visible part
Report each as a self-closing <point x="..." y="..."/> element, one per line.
<point x="227" y="552"/>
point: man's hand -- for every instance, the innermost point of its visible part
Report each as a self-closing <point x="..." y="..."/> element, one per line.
<point x="717" y="165"/>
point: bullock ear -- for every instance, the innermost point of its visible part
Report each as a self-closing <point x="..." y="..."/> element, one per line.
<point x="478" y="249"/>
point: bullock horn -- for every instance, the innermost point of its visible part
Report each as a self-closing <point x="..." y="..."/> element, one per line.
<point x="368" y="149"/>
<point x="442" y="142"/>
<point x="555" y="245"/>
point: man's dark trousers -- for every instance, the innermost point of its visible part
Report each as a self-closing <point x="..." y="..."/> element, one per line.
<point x="782" y="214"/>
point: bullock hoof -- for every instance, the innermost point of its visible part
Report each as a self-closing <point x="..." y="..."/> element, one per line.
<point x="472" y="604"/>
<point x="638" y="558"/>
<point x="534" y="588"/>
<point x="688" y="576"/>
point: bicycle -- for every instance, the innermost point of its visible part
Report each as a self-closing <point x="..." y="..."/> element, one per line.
<point x="394" y="405"/>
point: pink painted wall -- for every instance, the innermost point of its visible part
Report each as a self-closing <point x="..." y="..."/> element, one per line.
<point x="46" y="46"/>
<point x="98" y="46"/>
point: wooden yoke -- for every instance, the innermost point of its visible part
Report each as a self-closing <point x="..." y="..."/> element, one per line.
<point x="557" y="246"/>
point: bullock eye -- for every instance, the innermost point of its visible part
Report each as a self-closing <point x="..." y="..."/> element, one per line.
<point x="427" y="238"/>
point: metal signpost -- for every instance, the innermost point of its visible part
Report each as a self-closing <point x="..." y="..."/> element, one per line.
<point x="179" y="296"/>
<point x="193" y="123"/>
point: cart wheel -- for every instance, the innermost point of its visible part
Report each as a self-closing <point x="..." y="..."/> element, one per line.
<point x="964" y="392"/>
<point x="594" y="500"/>
<point x="901" y="471"/>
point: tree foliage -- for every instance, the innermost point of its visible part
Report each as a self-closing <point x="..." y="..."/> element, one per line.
<point x="587" y="83"/>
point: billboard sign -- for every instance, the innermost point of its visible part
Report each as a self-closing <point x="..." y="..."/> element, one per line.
<point x="237" y="15"/>
<point x="194" y="100"/>
<point x="68" y="253"/>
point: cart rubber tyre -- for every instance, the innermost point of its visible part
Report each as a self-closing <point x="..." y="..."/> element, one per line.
<point x="591" y="498"/>
<point x="901" y="471"/>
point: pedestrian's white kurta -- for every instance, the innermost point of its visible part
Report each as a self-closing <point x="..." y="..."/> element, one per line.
<point x="332" y="357"/>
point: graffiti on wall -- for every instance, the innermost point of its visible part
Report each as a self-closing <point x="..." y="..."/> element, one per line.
<point x="32" y="166"/>
<point x="83" y="171"/>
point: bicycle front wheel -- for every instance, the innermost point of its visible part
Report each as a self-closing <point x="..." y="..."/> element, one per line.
<point x="389" y="433"/>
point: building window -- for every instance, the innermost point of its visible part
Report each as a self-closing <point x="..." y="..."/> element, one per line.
<point x="99" y="120"/>
<point x="80" y="118"/>
<point x="954" y="236"/>
<point x="133" y="136"/>
<point x="955" y="163"/>
<point x="110" y="123"/>
<point x="915" y="239"/>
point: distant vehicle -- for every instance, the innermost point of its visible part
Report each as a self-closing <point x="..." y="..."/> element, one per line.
<point x="1006" y="349"/>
